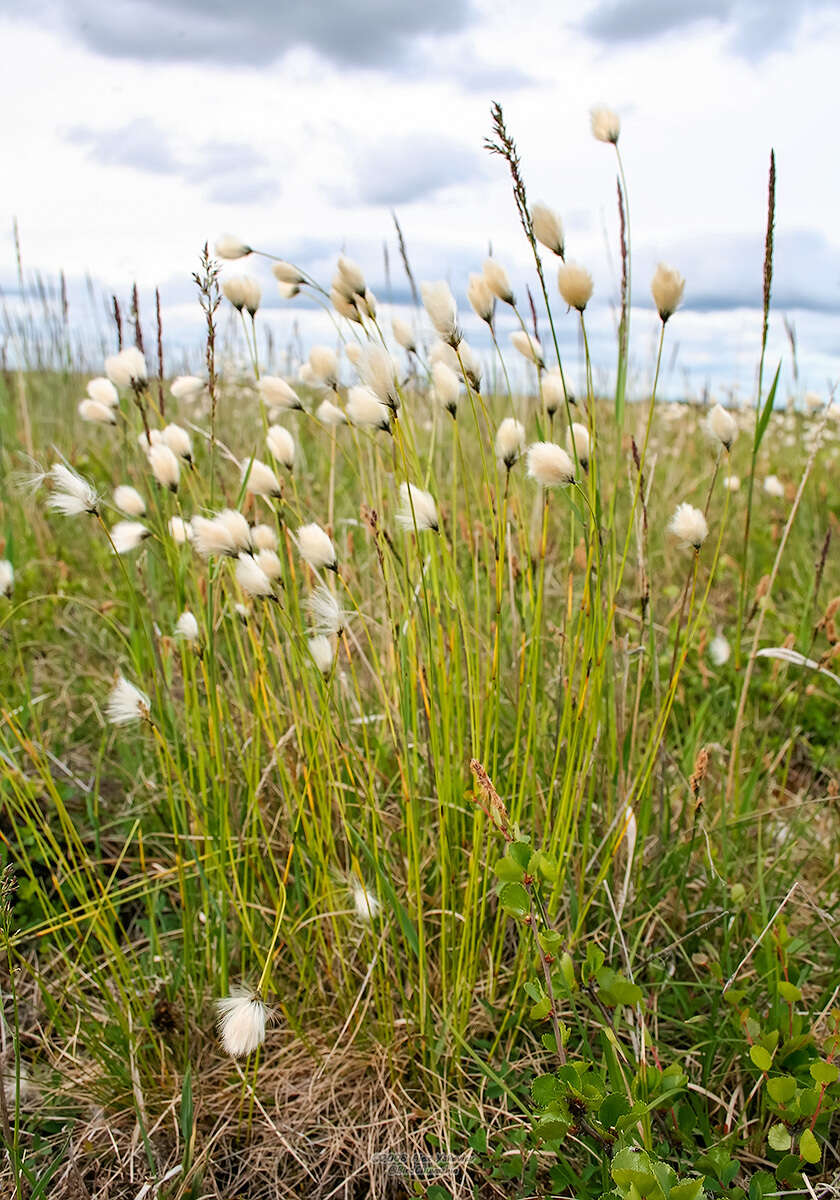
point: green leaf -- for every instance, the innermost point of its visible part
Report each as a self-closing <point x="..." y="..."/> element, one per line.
<point x="763" y="420"/>
<point x="761" y="1058"/>
<point x="545" y="1089"/>
<point x="614" y="1106"/>
<point x="689" y="1189"/>
<point x="550" y="941"/>
<point x="508" y="871"/>
<point x="632" y="1166"/>
<point x="789" y="991"/>
<point x="824" y="1072"/>
<point x="781" y="1088"/>
<point x="515" y="900"/>
<point x="541" y="1009"/>
<point x="761" y="1183"/>
<point x="809" y="1098"/>
<point x="521" y="853"/>
<point x="779" y="1138"/>
<point x="809" y="1148"/>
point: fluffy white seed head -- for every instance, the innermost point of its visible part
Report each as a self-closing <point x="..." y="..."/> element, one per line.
<point x="554" y="393"/>
<point x="352" y="277"/>
<point x="126" y="369"/>
<point x="732" y="483"/>
<point x="180" y="530"/>
<point x="528" y="346"/>
<point x="442" y="311"/>
<point x="93" y="410"/>
<point x="178" y="441"/>
<point x="187" y="387"/>
<point x="276" y="392"/>
<point x="229" y="246"/>
<point x="578" y="436"/>
<point x="364" y="901"/>
<point x="226" y="533"/>
<point x="285" y="273"/>
<point x="243" y="291"/>
<point x="354" y="353"/>
<point x="366" y="304"/>
<point x="328" y="617"/>
<point x="324" y="363"/>
<point x="510" y="441"/>
<point x="722" y="425"/>
<point x="316" y="547"/>
<point x="378" y="371"/>
<point x="482" y="300"/>
<point x="417" y="509"/>
<point x="774" y="487"/>
<point x="447" y="387"/>
<point x="496" y="278"/>
<point x="471" y="364"/>
<point x="606" y="124"/>
<point x="126" y="703"/>
<point x="263" y="537"/>
<point x="719" y="650"/>
<point x="550" y="465"/>
<point x="241" y="1021"/>
<point x="320" y="647"/>
<point x="667" y="287"/>
<point x="236" y="525"/>
<point x="344" y="306"/>
<point x="7" y="577"/>
<point x="281" y="446"/>
<point x="548" y="229"/>
<point x="689" y="525"/>
<point x="165" y="466"/>
<point x="367" y="410"/>
<point x="269" y="562"/>
<point x="260" y="480"/>
<point x="186" y="627"/>
<point x="575" y="285"/>
<point x="71" y="495"/>
<point x="127" y="536"/>
<point x="104" y="391"/>
<point x="251" y="577"/>
<point x="330" y="414"/>
<point x="146" y="441"/>
<point x="403" y="334"/>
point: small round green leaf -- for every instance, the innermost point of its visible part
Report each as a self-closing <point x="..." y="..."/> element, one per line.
<point x="779" y="1138"/>
<point x="809" y="1148"/>
<point x="760" y="1057"/>
<point x="516" y="901"/>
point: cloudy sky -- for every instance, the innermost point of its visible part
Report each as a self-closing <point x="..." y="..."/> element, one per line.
<point x="135" y="130"/>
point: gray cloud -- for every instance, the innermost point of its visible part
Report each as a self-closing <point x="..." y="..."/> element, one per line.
<point x="404" y="170"/>
<point x="755" y="27"/>
<point x="349" y="32"/>
<point x="227" y="172"/>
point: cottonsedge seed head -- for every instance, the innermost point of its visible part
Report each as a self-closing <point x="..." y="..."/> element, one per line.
<point x="276" y="392"/>
<point x="285" y="273"/>
<point x="187" y="387"/>
<point x="579" y="436"/>
<point x="165" y="466"/>
<point x="689" y="525"/>
<point x="350" y="278"/>
<point x="324" y="363"/>
<point x="237" y="527"/>
<point x="510" y="441"/>
<point x="732" y="483"/>
<point x="287" y="291"/>
<point x="127" y="536"/>
<point x="104" y="391"/>
<point x="548" y="229"/>
<point x="417" y="509"/>
<point x="212" y="537"/>
<point x="606" y="124"/>
<point x="403" y="335"/>
<point x="330" y="414"/>
<point x="186" y="627"/>
<point x="442" y="311"/>
<point x="550" y="465"/>
<point x="471" y="365"/>
<point x="667" y="287"/>
<point x="496" y="278"/>
<point x="281" y="446"/>
<point x="446" y="387"/>
<point x="241" y="1021"/>
<point x="364" y="901"/>
<point x="260" y="480"/>
<point x="126" y="703"/>
<point x="7" y="577"/>
<point x="71" y="494"/>
<point x="367" y="304"/>
<point x="178" y="441"/>
<point x="554" y="393"/>
<point x="146" y="440"/>
<point x="528" y="347"/>
<point x="575" y="285"/>
<point x="92" y="410"/>
<point x="378" y="371"/>
<point x="719" y="650"/>
<point x="328" y="617"/>
<point x="269" y="562"/>
<point x="722" y="425"/>
<point x="366" y="410"/>
<point x="316" y="547"/>
<point x="180" y="530"/>
<point x="263" y="537"/>
<point x="251" y="577"/>
<point x="126" y="369"/>
<point x="481" y="299"/>
<point x="320" y="647"/>
<point x="774" y="487"/>
<point x="229" y="246"/>
<point x="344" y="307"/>
<point x="354" y="353"/>
<point x="243" y="291"/>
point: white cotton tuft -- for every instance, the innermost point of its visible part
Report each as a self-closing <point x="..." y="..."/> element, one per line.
<point x="417" y="509"/>
<point x="71" y="495"/>
<point x="281" y="446"/>
<point x="722" y="426"/>
<point x="263" y="537"/>
<point x="732" y="483"/>
<point x="180" y="530"/>
<point x="251" y="577"/>
<point x="548" y="229"/>
<point x="330" y="414"/>
<point x="496" y="278"/>
<point x="481" y="298"/>
<point x="226" y="533"/>
<point x="320" y="647"/>
<point x="447" y="387"/>
<point x="229" y="246"/>
<point x="323" y="362"/>
<point x="93" y="410"/>
<point x="667" y="287"/>
<point x="575" y="285"/>
<point x="127" y="369"/>
<point x="442" y="311"/>
<point x="276" y="392"/>
<point x="367" y="410"/>
<point x="719" y="650"/>
<point x="127" y="536"/>
<point x="126" y="703"/>
<point x="103" y="391"/>
<point x="241" y="1021"/>
<point x="7" y="577"/>
<point x="187" y="387"/>
<point x="364" y="901"/>
<point x="260" y="480"/>
<point x="269" y="562"/>
<point x="351" y="277"/>
<point x="165" y="466"/>
<point x="510" y="441"/>
<point x="550" y="465"/>
<point x="554" y="393"/>
<point x="316" y="547"/>
<point x="774" y="487"/>
<point x="579" y="436"/>
<point x="689" y="525"/>
<point x="528" y="346"/>
<point x="186" y="627"/>
<point x="404" y="335"/>
<point x="606" y="124"/>
<point x="378" y="371"/>
<point x="243" y="291"/>
<point x="328" y="617"/>
<point x="178" y="441"/>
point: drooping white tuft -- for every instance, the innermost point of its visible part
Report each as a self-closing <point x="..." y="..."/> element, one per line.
<point x="316" y="547"/>
<point x="94" y="411"/>
<point x="320" y="647"/>
<point x="575" y="285"/>
<point x="287" y="274"/>
<point x="732" y="483"/>
<point x="439" y="303"/>
<point x="165" y="466"/>
<point x="667" y="287"/>
<point x="263" y="537"/>
<point x="7" y="577"/>
<point x="241" y="1021"/>
<point x="550" y="465"/>
<point x="187" y="387"/>
<point x="243" y="291"/>
<point x="71" y="495"/>
<point x="180" y="530"/>
<point x="403" y="335"/>
<point x="178" y="441"/>
<point x="510" y="441"/>
<point x="328" y="617"/>
<point x="104" y="391"/>
<point x="229" y="246"/>
<point x="606" y="124"/>
<point x="226" y="533"/>
<point x="364" y="901"/>
<point x="722" y="425"/>
<point x="127" y="536"/>
<point x="269" y="562"/>
<point x="126" y="703"/>
<point x="324" y="364"/>
<point x="496" y="278"/>
<point x="548" y="229"/>
<point x="127" y="369"/>
<point x="378" y="371"/>
<point x="260" y="480"/>
<point x="417" y="509"/>
<point x="578" y="436"/>
<point x="129" y="500"/>
<point x="367" y="410"/>
<point x="719" y="650"/>
<point x="276" y="392"/>
<point x="281" y="446"/>
<point x="481" y="298"/>
<point x="186" y="627"/>
<point x="251" y="577"/>
<point x="774" y="487"/>
<point x="689" y="525"/>
<point x="554" y="393"/>
<point x="330" y="414"/>
<point x="528" y="346"/>
<point x="447" y="387"/>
